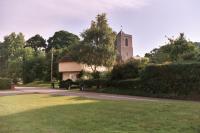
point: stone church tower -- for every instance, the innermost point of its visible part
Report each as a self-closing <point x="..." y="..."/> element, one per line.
<point x="124" y="46"/>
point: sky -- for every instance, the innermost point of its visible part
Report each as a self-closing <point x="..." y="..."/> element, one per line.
<point x="148" y="21"/>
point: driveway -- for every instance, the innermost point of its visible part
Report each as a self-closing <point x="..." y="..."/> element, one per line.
<point x="102" y="96"/>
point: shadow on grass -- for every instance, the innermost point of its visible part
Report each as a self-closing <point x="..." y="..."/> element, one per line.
<point x="102" y="116"/>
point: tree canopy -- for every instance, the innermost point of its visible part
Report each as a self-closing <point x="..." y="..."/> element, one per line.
<point x="178" y="49"/>
<point x="62" y="39"/>
<point x="36" y="42"/>
<point x="97" y="47"/>
<point x="12" y="53"/>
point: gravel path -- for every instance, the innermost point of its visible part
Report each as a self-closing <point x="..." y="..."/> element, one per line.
<point x="103" y="96"/>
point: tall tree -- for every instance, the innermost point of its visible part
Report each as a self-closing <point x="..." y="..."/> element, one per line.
<point x="97" y="47"/>
<point x="13" y="53"/>
<point x="36" y="42"/>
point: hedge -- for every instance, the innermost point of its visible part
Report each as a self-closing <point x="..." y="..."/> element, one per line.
<point x="172" y="80"/>
<point x="5" y="83"/>
<point x="169" y="81"/>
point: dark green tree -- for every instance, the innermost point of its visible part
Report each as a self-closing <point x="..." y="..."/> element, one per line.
<point x="36" y="42"/>
<point x="35" y="68"/>
<point x="62" y="39"/>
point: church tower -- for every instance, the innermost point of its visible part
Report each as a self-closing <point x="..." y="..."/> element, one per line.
<point x="124" y="46"/>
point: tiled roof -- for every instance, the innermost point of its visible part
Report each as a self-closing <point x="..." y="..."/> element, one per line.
<point x="66" y="59"/>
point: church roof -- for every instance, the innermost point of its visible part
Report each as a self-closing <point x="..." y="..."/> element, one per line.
<point x="66" y="58"/>
<point x="122" y="33"/>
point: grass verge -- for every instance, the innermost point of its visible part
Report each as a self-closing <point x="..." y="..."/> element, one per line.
<point x="36" y="113"/>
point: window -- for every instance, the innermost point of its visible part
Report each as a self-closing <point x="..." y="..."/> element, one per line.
<point x="126" y="42"/>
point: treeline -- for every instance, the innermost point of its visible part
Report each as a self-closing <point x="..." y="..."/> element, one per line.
<point x="29" y="60"/>
<point x="176" y="50"/>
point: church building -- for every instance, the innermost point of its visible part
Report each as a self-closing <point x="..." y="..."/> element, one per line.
<point x="70" y="69"/>
<point x="124" y="46"/>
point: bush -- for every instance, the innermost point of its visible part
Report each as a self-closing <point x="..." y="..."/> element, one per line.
<point x="5" y="83"/>
<point x="96" y="75"/>
<point x="65" y="84"/>
<point x="99" y="83"/>
<point x="129" y="70"/>
<point x="125" y="71"/>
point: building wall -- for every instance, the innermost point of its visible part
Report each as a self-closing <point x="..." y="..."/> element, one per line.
<point x="70" y="67"/>
<point x="70" y="70"/>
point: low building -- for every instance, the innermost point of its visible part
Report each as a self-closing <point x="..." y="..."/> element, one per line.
<point x="71" y="69"/>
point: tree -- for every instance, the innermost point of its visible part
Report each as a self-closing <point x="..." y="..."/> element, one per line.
<point x="179" y="49"/>
<point x="36" y="42"/>
<point x="3" y="59"/>
<point x="13" y="48"/>
<point x="35" y="68"/>
<point x="62" y="39"/>
<point x="97" y="47"/>
<point x="59" y="44"/>
<point x="130" y="69"/>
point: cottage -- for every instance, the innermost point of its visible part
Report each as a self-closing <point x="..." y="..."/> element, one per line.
<point x="71" y="69"/>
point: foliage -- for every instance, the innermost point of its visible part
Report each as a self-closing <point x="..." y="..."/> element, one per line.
<point x="97" y="47"/>
<point x="172" y="80"/>
<point x="62" y="39"/>
<point x="36" y="42"/>
<point x="5" y="83"/>
<point x="179" y="49"/>
<point x="180" y="81"/>
<point x="35" y="68"/>
<point x="12" y="53"/>
<point x="66" y="84"/>
<point x="129" y="69"/>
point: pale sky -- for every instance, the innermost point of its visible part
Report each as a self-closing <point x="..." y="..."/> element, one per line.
<point x="149" y="21"/>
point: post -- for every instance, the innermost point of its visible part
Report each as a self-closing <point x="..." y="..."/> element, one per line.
<point x="52" y="65"/>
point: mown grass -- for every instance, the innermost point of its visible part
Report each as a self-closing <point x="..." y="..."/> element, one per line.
<point x="38" y="84"/>
<point x="36" y="113"/>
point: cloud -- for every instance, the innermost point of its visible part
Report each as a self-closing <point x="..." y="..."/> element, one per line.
<point x="82" y="8"/>
<point x="70" y="8"/>
<point x="42" y="16"/>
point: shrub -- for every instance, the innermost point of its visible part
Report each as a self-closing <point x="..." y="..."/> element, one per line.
<point x="66" y="84"/>
<point x="128" y="70"/>
<point x="96" y="75"/>
<point x="99" y="83"/>
<point x="125" y="71"/>
<point x="5" y="83"/>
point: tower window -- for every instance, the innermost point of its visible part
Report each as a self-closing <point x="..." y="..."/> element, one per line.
<point x="126" y="42"/>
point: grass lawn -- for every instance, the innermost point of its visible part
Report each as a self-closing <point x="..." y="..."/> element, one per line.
<point x="38" y="84"/>
<point x="35" y="113"/>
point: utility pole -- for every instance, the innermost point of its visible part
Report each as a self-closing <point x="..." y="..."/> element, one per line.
<point x="52" y="65"/>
